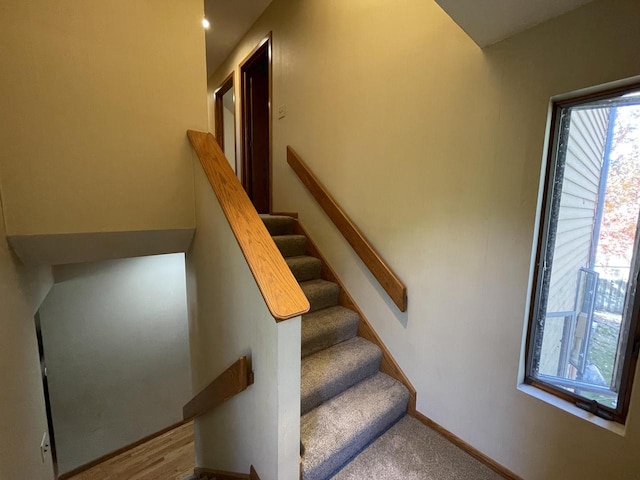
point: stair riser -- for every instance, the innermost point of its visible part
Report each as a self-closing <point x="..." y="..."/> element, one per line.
<point x="307" y="271"/>
<point x="318" y="303"/>
<point x="291" y="245"/>
<point x="340" y="458"/>
<point x="331" y="331"/>
<point x="332" y="338"/>
<point x="341" y="428"/>
<point x="327" y="298"/>
<point x="278" y="225"/>
<point x="339" y="384"/>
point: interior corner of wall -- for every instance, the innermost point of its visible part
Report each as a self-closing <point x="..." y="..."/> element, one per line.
<point x="3" y="225"/>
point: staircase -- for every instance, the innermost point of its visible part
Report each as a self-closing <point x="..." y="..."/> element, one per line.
<point x="346" y="402"/>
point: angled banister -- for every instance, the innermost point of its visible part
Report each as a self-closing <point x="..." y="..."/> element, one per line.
<point x="280" y="290"/>
<point x="235" y="379"/>
<point x="396" y="290"/>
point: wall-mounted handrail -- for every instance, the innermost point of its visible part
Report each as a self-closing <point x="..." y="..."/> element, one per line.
<point x="232" y="381"/>
<point x="279" y="288"/>
<point x="371" y="258"/>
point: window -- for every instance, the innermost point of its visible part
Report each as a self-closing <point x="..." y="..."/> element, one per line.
<point x="583" y="336"/>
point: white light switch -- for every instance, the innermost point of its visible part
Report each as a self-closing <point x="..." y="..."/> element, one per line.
<point x="44" y="447"/>
<point x="282" y="111"/>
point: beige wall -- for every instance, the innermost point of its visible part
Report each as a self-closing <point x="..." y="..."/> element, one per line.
<point x="96" y="100"/>
<point x="22" y="410"/>
<point x="434" y="147"/>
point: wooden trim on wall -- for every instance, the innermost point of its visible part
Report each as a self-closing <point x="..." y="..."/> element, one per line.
<point x="226" y="85"/>
<point x="119" y="451"/>
<point x="365" y="330"/>
<point x="278" y="286"/>
<point x="209" y="474"/>
<point x="267" y="40"/>
<point x="474" y="452"/>
<point x="235" y="379"/>
<point x="371" y="258"/>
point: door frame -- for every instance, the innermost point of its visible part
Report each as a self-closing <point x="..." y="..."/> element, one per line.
<point x="47" y="399"/>
<point x="265" y="43"/>
<point x="226" y="85"/>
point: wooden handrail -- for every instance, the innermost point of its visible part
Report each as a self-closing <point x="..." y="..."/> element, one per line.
<point x="279" y="288"/>
<point x="371" y="258"/>
<point x="232" y="381"/>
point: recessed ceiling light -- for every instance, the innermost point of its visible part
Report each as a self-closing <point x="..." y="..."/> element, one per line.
<point x="205" y="23"/>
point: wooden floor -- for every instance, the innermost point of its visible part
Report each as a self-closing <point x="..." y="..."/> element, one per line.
<point x="170" y="456"/>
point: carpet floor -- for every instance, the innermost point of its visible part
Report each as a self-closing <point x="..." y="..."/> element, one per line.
<point x="411" y="451"/>
<point x="347" y="403"/>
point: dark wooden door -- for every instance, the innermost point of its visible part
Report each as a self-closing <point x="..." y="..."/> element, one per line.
<point x="256" y="173"/>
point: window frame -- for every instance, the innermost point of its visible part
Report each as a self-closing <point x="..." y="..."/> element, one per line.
<point x="632" y="347"/>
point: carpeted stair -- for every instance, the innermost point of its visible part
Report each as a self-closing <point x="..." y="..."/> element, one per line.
<point x="346" y="402"/>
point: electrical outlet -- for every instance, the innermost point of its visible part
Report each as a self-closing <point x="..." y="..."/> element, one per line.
<point x="44" y="447"/>
<point x="282" y="111"/>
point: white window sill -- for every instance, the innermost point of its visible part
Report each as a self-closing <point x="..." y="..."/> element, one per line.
<point x="568" y="407"/>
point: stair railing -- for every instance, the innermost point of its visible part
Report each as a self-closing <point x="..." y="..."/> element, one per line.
<point x="235" y="379"/>
<point x="278" y="287"/>
<point x="389" y="281"/>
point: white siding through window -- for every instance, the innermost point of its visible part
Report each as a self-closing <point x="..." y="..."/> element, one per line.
<point x="585" y="152"/>
<point x="584" y="157"/>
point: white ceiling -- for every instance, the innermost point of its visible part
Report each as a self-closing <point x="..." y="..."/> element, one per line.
<point x="230" y="20"/>
<point x="489" y="21"/>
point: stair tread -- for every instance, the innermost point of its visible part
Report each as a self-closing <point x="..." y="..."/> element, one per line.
<point x="291" y="245"/>
<point x="278" y="224"/>
<point x="342" y="427"/>
<point x="327" y="327"/>
<point x="320" y="293"/>
<point x="329" y="372"/>
<point x="305" y="267"/>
